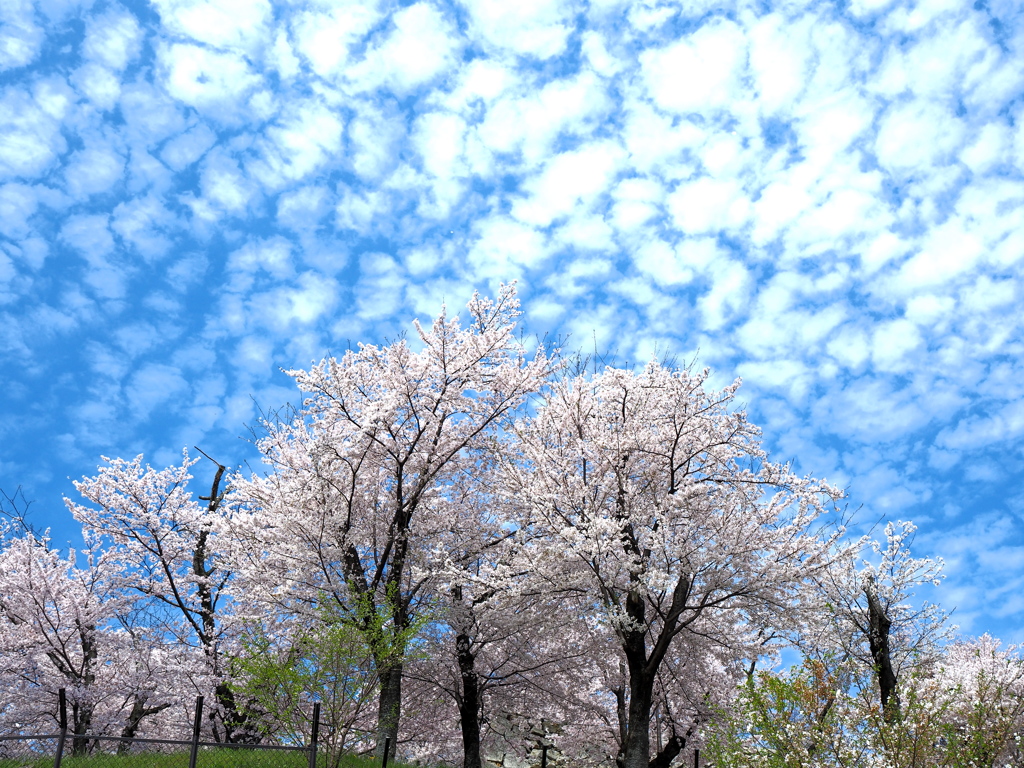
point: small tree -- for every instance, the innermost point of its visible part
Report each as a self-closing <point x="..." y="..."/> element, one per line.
<point x="984" y="720"/>
<point x="807" y="718"/>
<point x="869" y="615"/>
<point x="58" y="629"/>
<point x="284" y="667"/>
<point x="166" y="542"/>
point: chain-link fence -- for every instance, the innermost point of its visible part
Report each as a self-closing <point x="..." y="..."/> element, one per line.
<point x="56" y="750"/>
<point x="28" y="751"/>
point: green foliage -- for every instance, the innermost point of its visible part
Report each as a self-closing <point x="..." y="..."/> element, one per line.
<point x="334" y="658"/>
<point x="799" y="720"/>
<point x="826" y="714"/>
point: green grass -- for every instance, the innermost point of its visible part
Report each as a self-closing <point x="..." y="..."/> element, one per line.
<point x="207" y="758"/>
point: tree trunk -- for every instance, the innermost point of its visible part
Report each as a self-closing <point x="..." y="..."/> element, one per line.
<point x="135" y="718"/>
<point x="81" y="719"/>
<point x="669" y="752"/>
<point x="389" y="709"/>
<point x="637" y="752"/>
<point x="469" y="706"/>
<point x="878" y="642"/>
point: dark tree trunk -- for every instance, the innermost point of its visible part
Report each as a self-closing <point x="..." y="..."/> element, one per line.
<point x="636" y="752"/>
<point x="81" y="719"/>
<point x="135" y="718"/>
<point x="669" y="752"/>
<point x="389" y="709"/>
<point x="469" y="705"/>
<point x="878" y="642"/>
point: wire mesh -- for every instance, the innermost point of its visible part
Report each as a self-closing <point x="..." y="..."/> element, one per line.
<point x="27" y="751"/>
<point x="144" y="756"/>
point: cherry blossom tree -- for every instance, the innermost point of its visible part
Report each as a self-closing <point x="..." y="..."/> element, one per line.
<point x="61" y="626"/>
<point x="984" y="682"/>
<point x="498" y="628"/>
<point x="680" y="528"/>
<point x="357" y="472"/>
<point x="869" y="614"/>
<point x="164" y="539"/>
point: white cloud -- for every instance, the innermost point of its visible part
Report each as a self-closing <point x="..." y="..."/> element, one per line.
<point x="709" y="205"/>
<point x="987" y="294"/>
<point x="93" y="170"/>
<point x="845" y="214"/>
<point x="892" y="344"/>
<point x="421" y="47"/>
<point x="730" y="286"/>
<point x="917" y="135"/>
<point x="150" y="114"/>
<point x="947" y="251"/>
<point x="479" y="80"/>
<point x="636" y="202"/>
<point x="359" y="211"/>
<point x="324" y="39"/>
<point x="440" y="140"/>
<point x="868" y="7"/>
<point x="30" y="137"/>
<point x="533" y="122"/>
<point x="17" y="203"/>
<point x="871" y="410"/>
<point x="928" y="308"/>
<point x="299" y="145"/>
<point x="975" y="432"/>
<point x="850" y="347"/>
<point x="186" y="148"/>
<point x="89" y="235"/>
<point x="827" y="126"/>
<point x="381" y="287"/>
<point x="567" y="180"/>
<point x="273" y="256"/>
<point x="146" y="225"/>
<point x="21" y="38"/>
<point x="585" y="232"/>
<point x="531" y="27"/>
<point x="659" y="260"/>
<point x="112" y="39"/>
<point x="779" y="54"/>
<point x="602" y="62"/>
<point x="700" y="73"/>
<point x="373" y="135"/>
<point x="881" y="249"/>
<point x="655" y="140"/>
<point x="212" y="82"/>
<point x="504" y="248"/>
<point x="302" y="209"/>
<point x="240" y="24"/>
<point x="154" y="384"/>
<point x="223" y="183"/>
<point x="98" y="84"/>
<point x="990" y="148"/>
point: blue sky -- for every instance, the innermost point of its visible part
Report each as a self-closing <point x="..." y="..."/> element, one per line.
<point x="826" y="199"/>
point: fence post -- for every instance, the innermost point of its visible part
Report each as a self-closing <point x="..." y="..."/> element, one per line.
<point x="387" y="751"/>
<point x="314" y="735"/>
<point x="696" y="757"/>
<point x="196" y="727"/>
<point x="62" y="700"/>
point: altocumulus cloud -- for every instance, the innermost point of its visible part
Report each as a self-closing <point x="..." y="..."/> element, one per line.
<point x="826" y="199"/>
